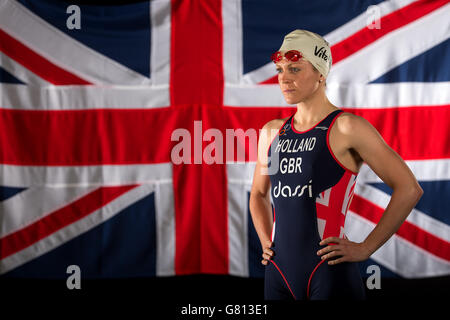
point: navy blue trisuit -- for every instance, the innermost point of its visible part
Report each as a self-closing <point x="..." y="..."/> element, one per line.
<point x="311" y="192"/>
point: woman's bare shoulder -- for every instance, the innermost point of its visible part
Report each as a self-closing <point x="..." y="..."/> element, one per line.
<point x="269" y="131"/>
<point x="351" y="124"/>
<point x="275" y="124"/>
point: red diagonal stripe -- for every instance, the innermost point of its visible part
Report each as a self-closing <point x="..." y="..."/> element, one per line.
<point x="36" y="63"/>
<point x="389" y="23"/>
<point x="59" y="219"/>
<point x="412" y="233"/>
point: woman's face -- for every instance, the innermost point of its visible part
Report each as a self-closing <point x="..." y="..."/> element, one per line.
<point x="298" y="80"/>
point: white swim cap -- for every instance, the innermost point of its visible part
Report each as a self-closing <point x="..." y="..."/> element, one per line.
<point x="312" y="46"/>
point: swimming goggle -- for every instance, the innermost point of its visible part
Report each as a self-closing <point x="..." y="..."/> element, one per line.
<point x="291" y="55"/>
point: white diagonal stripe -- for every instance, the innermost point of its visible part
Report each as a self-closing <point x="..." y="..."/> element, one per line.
<point x="75" y="229"/>
<point x="416" y="217"/>
<point x="393" y="49"/>
<point x="28" y="207"/>
<point x="20" y="72"/>
<point x="360" y="22"/>
<point x="35" y="203"/>
<point x="397" y="254"/>
<point x="267" y="71"/>
<point x="62" y="50"/>
<point x="261" y="74"/>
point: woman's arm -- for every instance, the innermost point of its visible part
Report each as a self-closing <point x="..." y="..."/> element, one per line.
<point x="361" y="136"/>
<point x="260" y="206"/>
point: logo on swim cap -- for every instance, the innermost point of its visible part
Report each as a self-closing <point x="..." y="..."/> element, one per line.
<point x="321" y="53"/>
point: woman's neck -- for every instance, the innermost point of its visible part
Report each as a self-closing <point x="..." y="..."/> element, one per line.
<point x="313" y="109"/>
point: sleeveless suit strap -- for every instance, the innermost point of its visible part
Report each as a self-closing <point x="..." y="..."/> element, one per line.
<point x="329" y="119"/>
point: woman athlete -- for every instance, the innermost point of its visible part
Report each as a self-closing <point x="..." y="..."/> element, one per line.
<point x="309" y="162"/>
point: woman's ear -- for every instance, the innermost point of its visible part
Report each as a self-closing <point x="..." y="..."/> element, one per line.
<point x="321" y="78"/>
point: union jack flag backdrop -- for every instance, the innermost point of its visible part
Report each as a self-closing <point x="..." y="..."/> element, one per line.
<point x="87" y="118"/>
